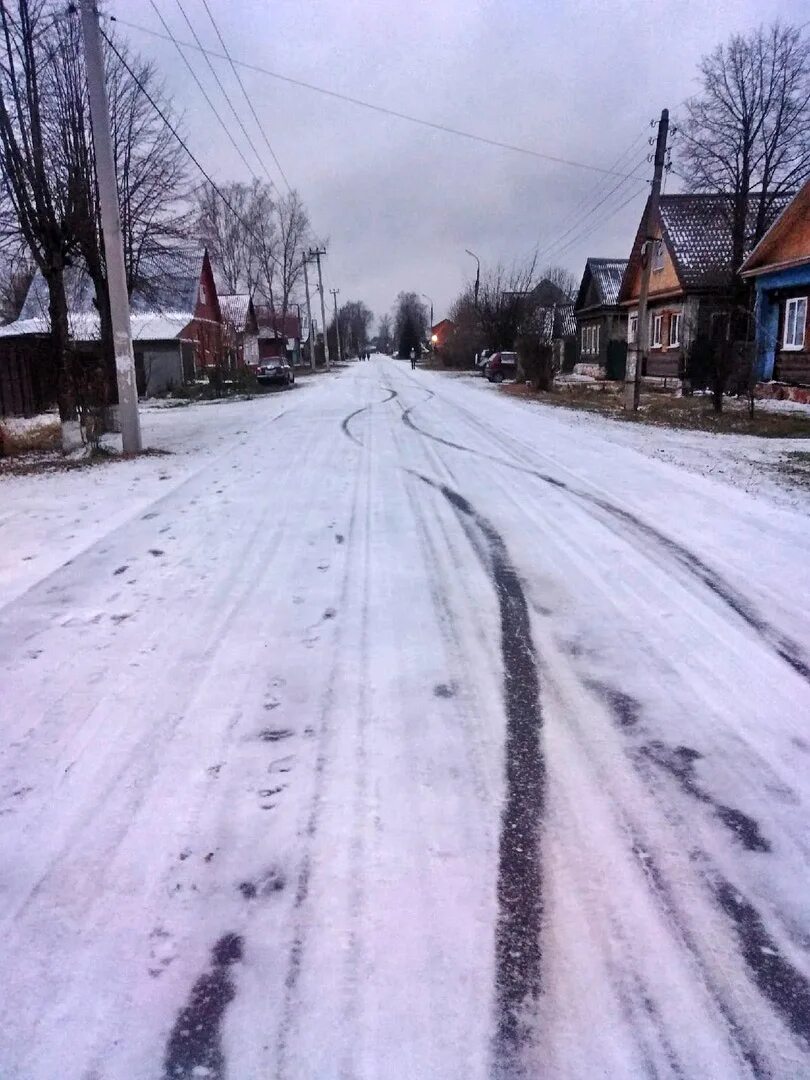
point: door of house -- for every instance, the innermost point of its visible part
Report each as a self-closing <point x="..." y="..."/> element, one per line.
<point x="616" y="359"/>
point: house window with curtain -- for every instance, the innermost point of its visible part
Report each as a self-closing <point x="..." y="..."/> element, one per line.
<point x="632" y="328"/>
<point x="675" y="328"/>
<point x="657" y="255"/>
<point x="590" y="339"/>
<point x="795" y="320"/>
<point x="656" y="331"/>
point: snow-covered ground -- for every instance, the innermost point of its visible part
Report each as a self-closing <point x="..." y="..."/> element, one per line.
<point x="402" y="730"/>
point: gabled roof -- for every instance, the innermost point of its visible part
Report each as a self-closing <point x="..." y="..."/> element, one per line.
<point x="235" y="308"/>
<point x="794" y="218"/>
<point x="442" y="322"/>
<point x="606" y="275"/>
<point x="160" y="306"/>
<point x="696" y="230"/>
<point x="272" y="325"/>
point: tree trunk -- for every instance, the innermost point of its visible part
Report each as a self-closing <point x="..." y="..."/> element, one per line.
<point x="63" y="361"/>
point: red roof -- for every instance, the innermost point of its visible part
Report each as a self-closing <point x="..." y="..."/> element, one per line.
<point x="288" y="326"/>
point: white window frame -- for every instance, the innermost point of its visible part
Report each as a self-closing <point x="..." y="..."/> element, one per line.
<point x="675" y="320"/>
<point x="632" y="328"/>
<point x="794" y="342"/>
<point x="585" y="330"/>
<point x="656" y="331"/>
<point x="590" y="339"/>
<point x="657" y="256"/>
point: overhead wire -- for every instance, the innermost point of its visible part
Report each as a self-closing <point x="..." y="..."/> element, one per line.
<point x="598" y="224"/>
<point x="225" y="94"/>
<point x="204" y="92"/>
<point x="384" y="110"/>
<point x="225" y="200"/>
<point x="238" y="77"/>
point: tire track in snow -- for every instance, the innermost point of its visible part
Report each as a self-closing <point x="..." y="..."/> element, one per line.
<point x="518" y="956"/>
<point x="346" y="421"/>
<point x="785" y="647"/>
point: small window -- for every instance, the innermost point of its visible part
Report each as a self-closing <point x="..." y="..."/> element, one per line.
<point x="203" y="298"/>
<point x="632" y="328"/>
<point x="795" y="319"/>
<point x="675" y="328"/>
<point x="585" y="336"/>
<point x="590" y="339"/>
<point x="656" y="329"/>
<point x="658" y="255"/>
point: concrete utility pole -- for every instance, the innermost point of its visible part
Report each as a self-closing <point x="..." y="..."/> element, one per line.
<point x="632" y="385"/>
<point x="309" y="312"/>
<point x="315" y="253"/>
<point x="334" y="293"/>
<point x="111" y="227"/>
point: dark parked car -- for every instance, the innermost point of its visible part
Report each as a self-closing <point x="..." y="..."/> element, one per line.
<point x="500" y="366"/>
<point x="276" y="370"/>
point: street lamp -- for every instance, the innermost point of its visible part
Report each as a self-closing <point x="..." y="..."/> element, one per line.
<point x="426" y="297"/>
<point x="477" y="272"/>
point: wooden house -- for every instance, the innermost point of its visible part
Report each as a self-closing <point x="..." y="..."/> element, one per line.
<point x="690" y="279"/>
<point x="600" y="321"/>
<point x="240" y="330"/>
<point x="779" y="268"/>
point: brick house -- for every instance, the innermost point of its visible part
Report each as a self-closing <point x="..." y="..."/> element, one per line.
<point x="601" y="323"/>
<point x="779" y="268"/>
<point x="441" y="333"/>
<point x="689" y="283"/>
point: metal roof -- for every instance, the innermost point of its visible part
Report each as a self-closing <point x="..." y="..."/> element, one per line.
<point x="697" y="232"/>
<point x="606" y="274"/>
<point x="234" y="308"/>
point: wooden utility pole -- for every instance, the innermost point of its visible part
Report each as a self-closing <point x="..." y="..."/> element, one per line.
<point x="632" y="386"/>
<point x="111" y="227"/>
<point x="315" y="253"/>
<point x="309" y="312"/>
<point x="334" y="293"/>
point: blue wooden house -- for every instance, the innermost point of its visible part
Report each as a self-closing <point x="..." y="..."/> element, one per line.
<point x="779" y="267"/>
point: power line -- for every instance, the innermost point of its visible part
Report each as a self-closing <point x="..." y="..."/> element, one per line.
<point x="588" y="232"/>
<point x="203" y="91"/>
<point x="225" y="94"/>
<point x="226" y="201"/>
<point x="384" y="110"/>
<point x="247" y="98"/>
<point x="583" y="218"/>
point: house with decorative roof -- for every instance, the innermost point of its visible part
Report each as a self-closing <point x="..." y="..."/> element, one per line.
<point x="601" y="325"/>
<point x="690" y="279"/>
<point x="779" y="268"/>
<point x="175" y="319"/>
<point x="240" y="329"/>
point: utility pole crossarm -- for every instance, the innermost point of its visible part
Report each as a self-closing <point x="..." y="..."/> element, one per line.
<point x="111" y="228"/>
<point x="632" y="386"/>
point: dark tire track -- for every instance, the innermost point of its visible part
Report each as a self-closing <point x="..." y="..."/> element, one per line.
<point x="519" y="889"/>
<point x="346" y="421"/>
<point x="784" y="646"/>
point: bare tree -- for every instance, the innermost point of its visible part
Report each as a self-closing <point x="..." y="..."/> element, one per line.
<point x="410" y="323"/>
<point x="384" y="336"/>
<point x="40" y="193"/>
<point x="283" y="266"/>
<point x="238" y="231"/>
<point x="747" y="131"/>
<point x="355" y="320"/>
<point x="16" y="272"/>
<point x="561" y="279"/>
<point x="504" y="302"/>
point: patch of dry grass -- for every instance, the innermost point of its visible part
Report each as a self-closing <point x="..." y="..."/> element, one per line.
<point x="39" y="435"/>
<point x="692" y="412"/>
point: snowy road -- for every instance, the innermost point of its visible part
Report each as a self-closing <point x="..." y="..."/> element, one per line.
<point x="416" y="734"/>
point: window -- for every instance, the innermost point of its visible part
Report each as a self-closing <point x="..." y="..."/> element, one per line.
<point x="656" y="330"/>
<point x="658" y="255"/>
<point x="202" y="294"/>
<point x="632" y="328"/>
<point x="675" y="328"/>
<point x="795" y="319"/>
<point x="590" y="338"/>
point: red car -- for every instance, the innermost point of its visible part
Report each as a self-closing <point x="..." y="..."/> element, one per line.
<point x="500" y="366"/>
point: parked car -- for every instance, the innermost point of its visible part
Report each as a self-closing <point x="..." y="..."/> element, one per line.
<point x="276" y="370"/>
<point x="500" y="366"/>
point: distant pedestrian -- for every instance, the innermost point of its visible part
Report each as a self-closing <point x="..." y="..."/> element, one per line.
<point x="413" y="359"/>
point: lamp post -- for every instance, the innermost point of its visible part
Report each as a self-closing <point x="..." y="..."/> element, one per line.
<point x="477" y="272"/>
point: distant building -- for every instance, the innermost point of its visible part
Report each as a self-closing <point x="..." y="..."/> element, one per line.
<point x="441" y="333"/>
<point x="779" y="267"/>
<point x="601" y="323"/>
<point x="279" y="335"/>
<point x="240" y="330"/>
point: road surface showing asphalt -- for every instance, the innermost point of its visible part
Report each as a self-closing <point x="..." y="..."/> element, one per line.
<point x="418" y="734"/>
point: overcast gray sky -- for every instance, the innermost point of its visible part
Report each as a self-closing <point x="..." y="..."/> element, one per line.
<point x="399" y="203"/>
